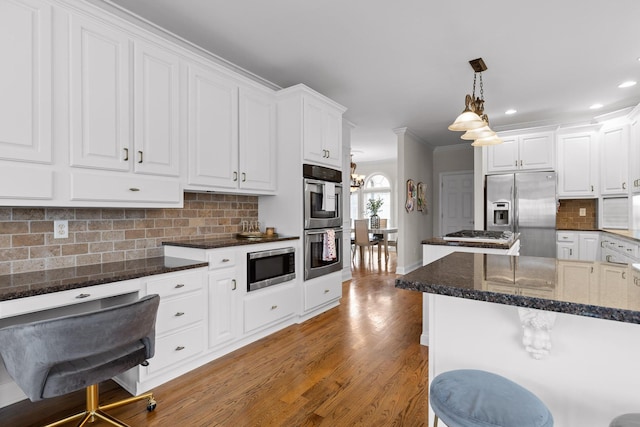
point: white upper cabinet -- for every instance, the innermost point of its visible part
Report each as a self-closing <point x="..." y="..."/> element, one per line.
<point x="322" y="132"/>
<point x="257" y="152"/>
<point x="522" y="152"/>
<point x="577" y="164"/>
<point x="231" y="134"/>
<point x="25" y="81"/>
<point x="614" y="152"/>
<point x="156" y="110"/>
<point x="99" y="95"/>
<point x="634" y="154"/>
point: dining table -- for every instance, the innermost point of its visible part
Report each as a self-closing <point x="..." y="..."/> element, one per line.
<point x="385" y="234"/>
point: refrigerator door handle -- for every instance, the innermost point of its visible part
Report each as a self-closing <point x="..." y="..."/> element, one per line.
<point x="516" y="213"/>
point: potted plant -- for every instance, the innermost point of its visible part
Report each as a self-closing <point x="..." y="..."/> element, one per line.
<point x="373" y="206"/>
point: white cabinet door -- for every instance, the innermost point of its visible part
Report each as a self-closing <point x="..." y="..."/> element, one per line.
<point x="257" y="154"/>
<point x="634" y="154"/>
<point x="100" y="95"/>
<point x="614" y="293"/>
<point x="25" y="80"/>
<point x="503" y="157"/>
<point x="614" y="152"/>
<point x="577" y="165"/>
<point x="322" y="132"/>
<point x="567" y="250"/>
<point x="224" y="307"/>
<point x="156" y="110"/>
<point x="537" y="151"/>
<point x="213" y="128"/>
<point x="577" y="282"/>
<point x="588" y="246"/>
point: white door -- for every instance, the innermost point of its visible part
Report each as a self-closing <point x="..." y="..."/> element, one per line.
<point x="456" y="202"/>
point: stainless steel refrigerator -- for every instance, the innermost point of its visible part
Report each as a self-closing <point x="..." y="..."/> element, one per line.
<point x="524" y="203"/>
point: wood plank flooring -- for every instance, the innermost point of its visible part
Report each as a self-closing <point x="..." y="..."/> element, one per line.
<point x="356" y="365"/>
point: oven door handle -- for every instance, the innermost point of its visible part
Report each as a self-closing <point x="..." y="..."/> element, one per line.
<point x="313" y="233"/>
<point x="320" y="183"/>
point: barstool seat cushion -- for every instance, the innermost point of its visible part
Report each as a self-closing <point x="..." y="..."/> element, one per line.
<point x="626" y="420"/>
<point x="474" y="398"/>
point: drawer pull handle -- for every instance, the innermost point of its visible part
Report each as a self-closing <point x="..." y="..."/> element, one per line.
<point x="235" y="176"/>
<point x="83" y="296"/>
<point x="134" y="189"/>
<point x="273" y="307"/>
<point x="235" y="285"/>
<point x="180" y="348"/>
<point x="244" y="177"/>
<point x="179" y="285"/>
<point x="225" y="260"/>
<point x="624" y="276"/>
<point x="326" y="291"/>
<point x="126" y="154"/>
<point x="140" y="154"/>
<point x="180" y="313"/>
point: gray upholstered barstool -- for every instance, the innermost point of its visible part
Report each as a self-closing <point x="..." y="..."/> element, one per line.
<point x="472" y="398"/>
<point x="49" y="358"/>
<point x="626" y="420"/>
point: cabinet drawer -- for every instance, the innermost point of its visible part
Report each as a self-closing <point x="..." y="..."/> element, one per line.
<point x="176" y="284"/>
<point x="123" y="187"/>
<point x="564" y="236"/>
<point x="269" y="306"/>
<point x="320" y="293"/>
<point x="221" y="259"/>
<point x="174" y="348"/>
<point x="180" y="311"/>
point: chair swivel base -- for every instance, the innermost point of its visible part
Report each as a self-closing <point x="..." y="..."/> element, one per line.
<point x="94" y="410"/>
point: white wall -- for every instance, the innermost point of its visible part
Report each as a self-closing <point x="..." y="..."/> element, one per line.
<point x="415" y="161"/>
<point x="452" y="158"/>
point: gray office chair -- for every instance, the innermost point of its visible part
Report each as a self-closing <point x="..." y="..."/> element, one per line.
<point x="52" y="357"/>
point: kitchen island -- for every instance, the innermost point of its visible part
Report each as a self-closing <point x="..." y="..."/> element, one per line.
<point x="566" y="330"/>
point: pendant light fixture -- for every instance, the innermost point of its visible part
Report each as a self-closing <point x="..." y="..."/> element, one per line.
<point x="356" y="180"/>
<point x="473" y="121"/>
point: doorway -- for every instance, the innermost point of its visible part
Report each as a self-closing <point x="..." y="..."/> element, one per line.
<point x="456" y="201"/>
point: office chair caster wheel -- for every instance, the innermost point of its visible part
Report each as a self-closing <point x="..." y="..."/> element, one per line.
<point x="151" y="405"/>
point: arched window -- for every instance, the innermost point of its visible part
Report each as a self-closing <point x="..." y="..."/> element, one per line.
<point x="377" y="186"/>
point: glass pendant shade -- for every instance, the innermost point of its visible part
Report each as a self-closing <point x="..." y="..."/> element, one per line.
<point x="483" y="132"/>
<point x="468" y="120"/>
<point x="483" y="142"/>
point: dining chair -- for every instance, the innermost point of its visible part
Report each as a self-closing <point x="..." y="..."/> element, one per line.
<point x="362" y="238"/>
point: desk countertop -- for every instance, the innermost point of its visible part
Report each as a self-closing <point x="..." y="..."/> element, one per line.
<point x="23" y="285"/>
<point x="591" y="289"/>
<point x="215" y="243"/>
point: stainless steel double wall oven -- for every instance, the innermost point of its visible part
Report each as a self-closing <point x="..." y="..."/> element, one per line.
<point x="322" y="220"/>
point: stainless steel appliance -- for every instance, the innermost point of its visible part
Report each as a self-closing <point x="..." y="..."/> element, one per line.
<point x="268" y="268"/>
<point x="322" y="197"/>
<point x="314" y="263"/>
<point x="524" y="203"/>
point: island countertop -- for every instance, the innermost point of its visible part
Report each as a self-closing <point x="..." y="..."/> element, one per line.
<point x="591" y="289"/>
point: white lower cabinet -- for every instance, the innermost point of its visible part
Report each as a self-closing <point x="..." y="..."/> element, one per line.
<point x="224" y="308"/>
<point x="575" y="245"/>
<point x="270" y="305"/>
<point x="321" y="291"/>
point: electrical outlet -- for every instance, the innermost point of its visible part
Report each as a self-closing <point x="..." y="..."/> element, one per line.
<point x="61" y="229"/>
<point x="583" y="211"/>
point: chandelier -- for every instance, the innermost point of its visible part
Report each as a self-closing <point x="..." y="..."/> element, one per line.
<point x="356" y="180"/>
<point x="473" y="121"/>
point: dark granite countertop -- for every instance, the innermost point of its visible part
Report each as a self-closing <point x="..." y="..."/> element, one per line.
<point x="214" y="243"/>
<point x="23" y="285"/>
<point x="534" y="282"/>
<point x="487" y="245"/>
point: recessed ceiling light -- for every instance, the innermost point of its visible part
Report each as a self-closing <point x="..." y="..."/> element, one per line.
<point x="627" y="84"/>
<point x="596" y="106"/>
<point x="510" y="111"/>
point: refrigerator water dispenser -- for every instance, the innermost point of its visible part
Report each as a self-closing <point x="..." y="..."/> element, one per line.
<point x="501" y="213"/>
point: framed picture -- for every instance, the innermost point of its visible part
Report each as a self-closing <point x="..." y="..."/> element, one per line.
<point x="410" y="204"/>
<point x="421" y="197"/>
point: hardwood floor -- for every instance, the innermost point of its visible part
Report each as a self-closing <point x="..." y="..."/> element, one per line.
<point x="356" y="365"/>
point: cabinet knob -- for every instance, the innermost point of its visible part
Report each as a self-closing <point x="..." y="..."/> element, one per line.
<point x="180" y="348"/>
<point x="81" y="296"/>
<point x="180" y="313"/>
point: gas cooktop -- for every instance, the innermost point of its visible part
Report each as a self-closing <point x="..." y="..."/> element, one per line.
<point x="480" y="236"/>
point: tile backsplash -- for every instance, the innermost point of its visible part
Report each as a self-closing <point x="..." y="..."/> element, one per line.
<point x="568" y="217"/>
<point x="98" y="235"/>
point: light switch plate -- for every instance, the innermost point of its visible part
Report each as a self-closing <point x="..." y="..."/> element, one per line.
<point x="583" y="211"/>
<point x="61" y="229"/>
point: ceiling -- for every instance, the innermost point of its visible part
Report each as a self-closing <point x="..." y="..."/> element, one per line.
<point x="405" y="63"/>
